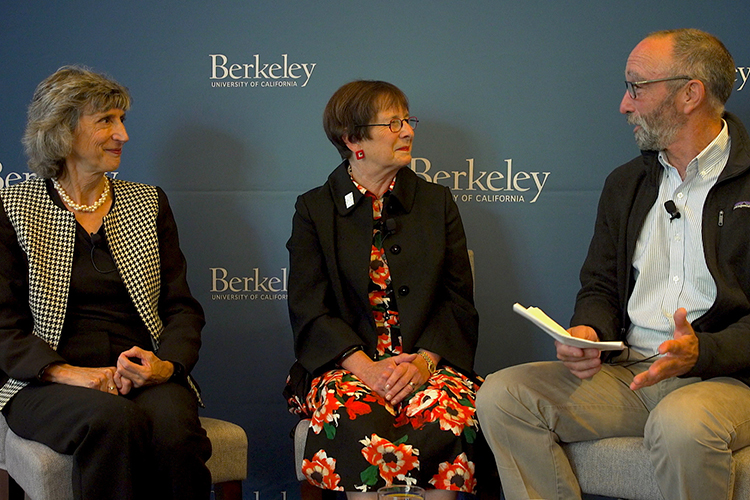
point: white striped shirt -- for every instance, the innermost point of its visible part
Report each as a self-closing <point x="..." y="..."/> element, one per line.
<point x="669" y="265"/>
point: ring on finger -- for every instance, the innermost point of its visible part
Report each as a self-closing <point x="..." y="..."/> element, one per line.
<point x="412" y="385"/>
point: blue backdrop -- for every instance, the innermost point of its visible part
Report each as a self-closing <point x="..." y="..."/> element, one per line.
<point x="518" y="108"/>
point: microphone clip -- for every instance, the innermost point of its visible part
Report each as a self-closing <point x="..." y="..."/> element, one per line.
<point x="671" y="209"/>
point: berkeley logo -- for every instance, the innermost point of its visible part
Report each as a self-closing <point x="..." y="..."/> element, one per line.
<point x="13" y="177"/>
<point x="259" y="73"/>
<point x="486" y="186"/>
<point x="253" y="287"/>
<point x="743" y="74"/>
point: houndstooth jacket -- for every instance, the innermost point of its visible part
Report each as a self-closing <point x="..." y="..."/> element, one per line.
<point x="131" y="228"/>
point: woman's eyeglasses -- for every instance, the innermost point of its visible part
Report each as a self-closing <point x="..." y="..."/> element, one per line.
<point x="395" y="125"/>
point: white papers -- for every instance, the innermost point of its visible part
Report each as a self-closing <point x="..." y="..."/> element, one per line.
<point x="557" y="332"/>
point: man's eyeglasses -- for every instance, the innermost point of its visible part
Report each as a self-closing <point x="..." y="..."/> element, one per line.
<point x="634" y="86"/>
<point x="395" y="125"/>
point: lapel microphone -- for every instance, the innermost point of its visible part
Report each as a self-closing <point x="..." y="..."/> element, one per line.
<point x="672" y="210"/>
<point x="388" y="227"/>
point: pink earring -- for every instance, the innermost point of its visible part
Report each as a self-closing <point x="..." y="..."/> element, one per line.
<point x="359" y="154"/>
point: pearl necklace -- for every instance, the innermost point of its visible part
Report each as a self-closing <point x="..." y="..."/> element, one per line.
<point x="83" y="208"/>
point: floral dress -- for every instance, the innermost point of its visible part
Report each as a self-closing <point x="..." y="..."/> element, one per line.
<point x="360" y="442"/>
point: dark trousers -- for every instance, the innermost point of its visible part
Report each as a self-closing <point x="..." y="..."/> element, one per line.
<point x="148" y="444"/>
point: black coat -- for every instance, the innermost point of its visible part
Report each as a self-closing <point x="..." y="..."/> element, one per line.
<point x="426" y="250"/>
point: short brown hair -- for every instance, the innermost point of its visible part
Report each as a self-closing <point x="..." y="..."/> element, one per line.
<point x="702" y="56"/>
<point x="358" y="103"/>
<point x="54" y="112"/>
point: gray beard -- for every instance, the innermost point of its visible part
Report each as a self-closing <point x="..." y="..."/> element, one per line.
<point x="658" y="129"/>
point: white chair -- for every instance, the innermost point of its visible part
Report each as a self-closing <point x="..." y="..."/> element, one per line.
<point x="620" y="468"/>
<point x="43" y="474"/>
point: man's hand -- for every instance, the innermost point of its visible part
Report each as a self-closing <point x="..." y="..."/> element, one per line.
<point x="680" y="354"/>
<point x="150" y="371"/>
<point x="583" y="363"/>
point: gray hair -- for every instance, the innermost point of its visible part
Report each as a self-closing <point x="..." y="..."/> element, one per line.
<point x="53" y="115"/>
<point x="703" y="57"/>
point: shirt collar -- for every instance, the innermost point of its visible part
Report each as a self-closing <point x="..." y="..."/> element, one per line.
<point x="364" y="190"/>
<point x="712" y="157"/>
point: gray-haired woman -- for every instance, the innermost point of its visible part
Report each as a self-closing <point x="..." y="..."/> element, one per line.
<point x="98" y="329"/>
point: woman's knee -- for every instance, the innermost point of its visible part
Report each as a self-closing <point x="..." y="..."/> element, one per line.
<point x="119" y="417"/>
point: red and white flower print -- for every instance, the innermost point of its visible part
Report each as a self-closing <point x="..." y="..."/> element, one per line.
<point x="379" y="272"/>
<point x="321" y="471"/>
<point x="394" y="461"/>
<point x="326" y="412"/>
<point x="454" y="416"/>
<point x="456" y="476"/>
<point x="419" y="409"/>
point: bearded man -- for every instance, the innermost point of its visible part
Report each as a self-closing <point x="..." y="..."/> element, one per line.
<point x="668" y="273"/>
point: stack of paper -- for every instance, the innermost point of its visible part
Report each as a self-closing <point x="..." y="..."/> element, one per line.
<point x="557" y="332"/>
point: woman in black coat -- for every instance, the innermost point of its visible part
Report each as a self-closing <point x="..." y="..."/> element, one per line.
<point x="381" y="304"/>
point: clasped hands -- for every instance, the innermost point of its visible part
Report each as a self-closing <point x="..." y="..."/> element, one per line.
<point x="679" y="354"/>
<point x="393" y="378"/>
<point x="120" y="379"/>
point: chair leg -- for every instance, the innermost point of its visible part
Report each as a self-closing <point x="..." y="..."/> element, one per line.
<point x="229" y="490"/>
<point x="9" y="489"/>
<point x="310" y="492"/>
<point x="4" y="484"/>
<point x="15" y="492"/>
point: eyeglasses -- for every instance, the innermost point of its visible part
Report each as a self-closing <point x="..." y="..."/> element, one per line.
<point x="395" y="125"/>
<point x="634" y="86"/>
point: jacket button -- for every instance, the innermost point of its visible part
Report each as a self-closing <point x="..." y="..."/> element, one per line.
<point x="396" y="249"/>
<point x="403" y="291"/>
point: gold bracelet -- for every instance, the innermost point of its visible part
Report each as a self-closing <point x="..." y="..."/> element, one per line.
<point x="429" y="361"/>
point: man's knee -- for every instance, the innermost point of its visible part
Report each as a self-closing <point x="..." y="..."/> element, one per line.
<point x="678" y="423"/>
<point x="493" y="391"/>
<point x="503" y="389"/>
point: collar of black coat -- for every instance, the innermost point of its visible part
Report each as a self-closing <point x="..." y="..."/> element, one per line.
<point x="346" y="196"/>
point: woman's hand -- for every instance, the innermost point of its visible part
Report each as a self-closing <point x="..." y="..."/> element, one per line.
<point x="101" y="379"/>
<point x="150" y="371"/>
<point x="405" y="377"/>
<point x="386" y="377"/>
<point x="394" y="378"/>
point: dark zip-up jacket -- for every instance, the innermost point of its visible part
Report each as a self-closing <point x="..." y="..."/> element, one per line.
<point x="607" y="275"/>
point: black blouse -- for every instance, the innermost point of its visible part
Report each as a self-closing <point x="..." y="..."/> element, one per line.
<point x="101" y="320"/>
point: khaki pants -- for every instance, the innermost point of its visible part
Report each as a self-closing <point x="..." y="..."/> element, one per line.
<point x="690" y="427"/>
